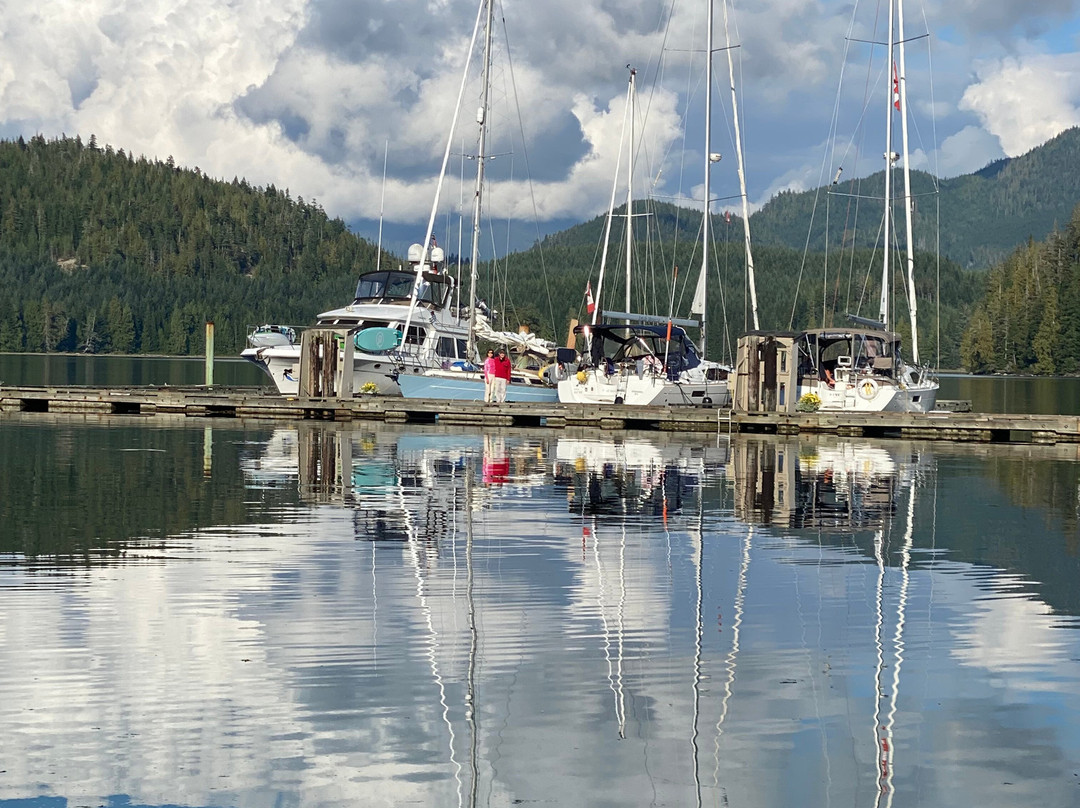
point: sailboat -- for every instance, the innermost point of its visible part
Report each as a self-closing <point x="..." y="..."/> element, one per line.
<point x="859" y="368"/>
<point x="649" y="360"/>
<point x="464" y="379"/>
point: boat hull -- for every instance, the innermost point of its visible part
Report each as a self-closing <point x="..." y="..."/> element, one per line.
<point x="465" y="386"/>
<point x="857" y="396"/>
<point x="594" y="386"/>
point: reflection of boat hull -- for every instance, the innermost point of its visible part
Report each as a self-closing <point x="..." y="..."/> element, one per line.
<point x="468" y="386"/>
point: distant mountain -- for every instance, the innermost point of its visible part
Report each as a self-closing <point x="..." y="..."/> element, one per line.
<point x="980" y="217"/>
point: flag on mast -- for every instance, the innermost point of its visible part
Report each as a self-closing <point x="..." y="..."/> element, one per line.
<point x="590" y="305"/>
<point x="895" y="87"/>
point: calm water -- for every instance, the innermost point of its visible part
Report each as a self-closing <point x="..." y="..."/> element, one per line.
<point x="208" y="614"/>
<point x="121" y="371"/>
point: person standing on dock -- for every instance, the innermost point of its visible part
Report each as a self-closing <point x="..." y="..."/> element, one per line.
<point x="502" y="375"/>
<point x="489" y="377"/>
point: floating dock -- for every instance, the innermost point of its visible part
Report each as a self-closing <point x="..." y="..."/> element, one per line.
<point x="259" y="403"/>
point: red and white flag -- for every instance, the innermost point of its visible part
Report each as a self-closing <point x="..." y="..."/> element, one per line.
<point x="590" y="305"/>
<point x="895" y="87"/>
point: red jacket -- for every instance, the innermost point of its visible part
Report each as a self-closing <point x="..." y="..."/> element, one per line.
<point x="502" y="368"/>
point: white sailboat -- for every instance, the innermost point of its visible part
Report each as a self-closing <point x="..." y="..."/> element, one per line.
<point x="649" y="360"/>
<point x="859" y="368"/>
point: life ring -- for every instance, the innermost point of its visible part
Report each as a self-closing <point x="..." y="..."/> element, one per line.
<point x="868" y="388"/>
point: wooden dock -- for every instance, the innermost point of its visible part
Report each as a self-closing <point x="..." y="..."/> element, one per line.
<point x="257" y="403"/>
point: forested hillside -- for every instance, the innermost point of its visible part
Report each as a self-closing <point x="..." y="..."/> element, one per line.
<point x="980" y="218"/>
<point x="103" y="251"/>
<point x="1029" y="318"/>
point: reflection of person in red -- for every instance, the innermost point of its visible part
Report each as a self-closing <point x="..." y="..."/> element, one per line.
<point x="502" y="376"/>
<point x="489" y="377"/>
<point x="496" y="462"/>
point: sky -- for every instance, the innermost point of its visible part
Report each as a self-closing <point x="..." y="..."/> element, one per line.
<point x="351" y="104"/>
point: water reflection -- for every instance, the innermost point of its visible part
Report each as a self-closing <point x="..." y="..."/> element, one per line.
<point x="444" y="617"/>
<point x="839" y="486"/>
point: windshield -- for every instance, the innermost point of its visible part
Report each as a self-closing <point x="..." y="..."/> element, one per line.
<point x="385" y="286"/>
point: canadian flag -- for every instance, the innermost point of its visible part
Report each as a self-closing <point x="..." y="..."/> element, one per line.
<point x="895" y="87"/>
<point x="590" y="305"/>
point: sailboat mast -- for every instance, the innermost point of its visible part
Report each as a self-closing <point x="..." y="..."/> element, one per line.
<point x="481" y="119"/>
<point x="700" y="295"/>
<point x="890" y="158"/>
<point x="902" y="100"/>
<point x="630" y="189"/>
<point x="750" y="274"/>
<point x="611" y="207"/>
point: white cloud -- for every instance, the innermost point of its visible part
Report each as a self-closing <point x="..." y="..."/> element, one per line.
<point x="968" y="150"/>
<point x="305" y="94"/>
<point x="1026" y="101"/>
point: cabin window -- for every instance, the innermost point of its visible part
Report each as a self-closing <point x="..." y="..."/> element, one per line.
<point x="783" y="394"/>
<point x="783" y="361"/>
<point x="451" y="348"/>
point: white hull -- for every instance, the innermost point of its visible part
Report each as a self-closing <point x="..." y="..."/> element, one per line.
<point x="865" y="393"/>
<point x="282" y="364"/>
<point x="644" y="389"/>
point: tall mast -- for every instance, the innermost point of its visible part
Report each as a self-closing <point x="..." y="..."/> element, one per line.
<point x="630" y="188"/>
<point x="902" y="88"/>
<point x="611" y="205"/>
<point x="425" y="249"/>
<point x="890" y="158"/>
<point x="700" y="297"/>
<point x="481" y="119"/>
<point x="750" y="274"/>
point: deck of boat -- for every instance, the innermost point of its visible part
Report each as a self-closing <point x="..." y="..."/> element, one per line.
<point x="258" y="403"/>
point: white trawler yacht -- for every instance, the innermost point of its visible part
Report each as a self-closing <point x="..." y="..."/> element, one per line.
<point x="437" y="331"/>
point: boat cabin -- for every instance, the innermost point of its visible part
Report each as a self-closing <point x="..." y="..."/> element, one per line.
<point x="773" y="369"/>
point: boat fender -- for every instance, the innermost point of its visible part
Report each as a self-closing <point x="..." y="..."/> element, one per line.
<point x="581" y="376"/>
<point x="542" y="374"/>
<point x="868" y="388"/>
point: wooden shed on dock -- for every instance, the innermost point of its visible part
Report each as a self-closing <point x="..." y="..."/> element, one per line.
<point x="766" y="372"/>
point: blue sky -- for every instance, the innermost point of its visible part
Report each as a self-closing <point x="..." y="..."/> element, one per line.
<point x="312" y="95"/>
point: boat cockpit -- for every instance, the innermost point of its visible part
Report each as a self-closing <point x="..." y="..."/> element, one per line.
<point x="825" y="353"/>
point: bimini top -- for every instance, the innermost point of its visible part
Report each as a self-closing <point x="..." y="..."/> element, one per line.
<point x="620" y="332"/>
<point x="848" y="333"/>
<point x="638" y="341"/>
